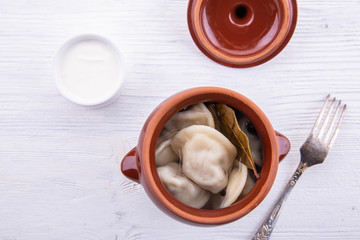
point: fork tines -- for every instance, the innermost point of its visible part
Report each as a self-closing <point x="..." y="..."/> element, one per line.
<point x="323" y="130"/>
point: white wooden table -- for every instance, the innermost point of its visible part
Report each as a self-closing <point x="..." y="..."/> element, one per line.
<point x="59" y="162"/>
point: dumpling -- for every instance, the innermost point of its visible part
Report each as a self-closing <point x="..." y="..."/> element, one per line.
<point x="238" y="185"/>
<point x="181" y="187"/>
<point x="196" y="114"/>
<point x="206" y="156"/>
<point x="235" y="185"/>
<point x="250" y="183"/>
<point x="164" y="154"/>
<point x="254" y="139"/>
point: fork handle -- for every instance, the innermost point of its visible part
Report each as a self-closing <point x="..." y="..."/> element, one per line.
<point x="267" y="227"/>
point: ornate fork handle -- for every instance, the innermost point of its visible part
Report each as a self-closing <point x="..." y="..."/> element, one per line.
<point x="267" y="227"/>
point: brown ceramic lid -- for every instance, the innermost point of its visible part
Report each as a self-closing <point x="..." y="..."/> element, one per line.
<point x="241" y="33"/>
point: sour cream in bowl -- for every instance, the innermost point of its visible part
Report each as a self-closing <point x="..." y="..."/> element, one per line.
<point x="89" y="70"/>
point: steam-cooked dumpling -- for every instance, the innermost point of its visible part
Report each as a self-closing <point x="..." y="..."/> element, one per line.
<point x="164" y="154"/>
<point x="254" y="139"/>
<point x="250" y="183"/>
<point x="235" y="185"/>
<point x="239" y="184"/>
<point x="206" y="156"/>
<point x="181" y="187"/>
<point x="197" y="114"/>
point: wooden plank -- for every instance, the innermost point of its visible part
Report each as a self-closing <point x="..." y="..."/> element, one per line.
<point x="59" y="163"/>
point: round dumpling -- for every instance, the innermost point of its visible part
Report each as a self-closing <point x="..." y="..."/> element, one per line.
<point x="206" y="156"/>
<point x="181" y="187"/>
<point x="237" y="180"/>
<point x="164" y="154"/>
<point x="250" y="183"/>
<point x="236" y="187"/>
<point x="196" y="114"/>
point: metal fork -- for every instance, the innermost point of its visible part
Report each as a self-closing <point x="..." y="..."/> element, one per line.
<point x="313" y="151"/>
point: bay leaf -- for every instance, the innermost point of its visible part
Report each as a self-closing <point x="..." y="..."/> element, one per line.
<point x="230" y="128"/>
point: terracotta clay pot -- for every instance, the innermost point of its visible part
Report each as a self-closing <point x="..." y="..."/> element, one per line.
<point x="139" y="164"/>
<point x="241" y="33"/>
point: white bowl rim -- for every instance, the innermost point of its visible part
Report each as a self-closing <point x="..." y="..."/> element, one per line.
<point x="57" y="70"/>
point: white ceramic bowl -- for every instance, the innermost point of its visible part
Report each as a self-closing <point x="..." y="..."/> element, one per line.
<point x="75" y="98"/>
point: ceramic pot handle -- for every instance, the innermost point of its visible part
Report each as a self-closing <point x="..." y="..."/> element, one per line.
<point x="284" y="145"/>
<point x="129" y="165"/>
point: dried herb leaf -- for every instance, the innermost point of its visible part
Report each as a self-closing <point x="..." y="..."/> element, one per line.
<point x="230" y="128"/>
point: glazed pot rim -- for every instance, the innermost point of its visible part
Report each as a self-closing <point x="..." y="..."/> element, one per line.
<point x="204" y="94"/>
<point x="205" y="45"/>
